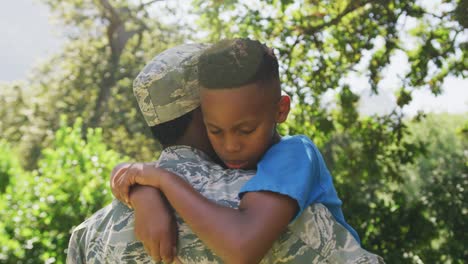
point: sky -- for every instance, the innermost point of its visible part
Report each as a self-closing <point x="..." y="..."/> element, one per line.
<point x="29" y="37"/>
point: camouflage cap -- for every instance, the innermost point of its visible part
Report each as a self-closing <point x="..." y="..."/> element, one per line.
<point x="167" y="87"/>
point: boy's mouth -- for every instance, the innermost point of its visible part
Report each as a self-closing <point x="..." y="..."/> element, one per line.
<point x="235" y="164"/>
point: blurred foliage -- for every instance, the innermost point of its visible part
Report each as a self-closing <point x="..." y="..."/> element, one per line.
<point x="403" y="182"/>
<point x="40" y="207"/>
<point x="106" y="44"/>
<point x="9" y="165"/>
<point x="439" y="181"/>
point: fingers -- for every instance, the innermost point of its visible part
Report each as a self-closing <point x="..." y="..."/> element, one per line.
<point x="153" y="252"/>
<point x="115" y="183"/>
<point x="166" y="251"/>
<point x="124" y="181"/>
<point x="177" y="260"/>
<point x="114" y="172"/>
<point x="174" y="238"/>
<point x="121" y="182"/>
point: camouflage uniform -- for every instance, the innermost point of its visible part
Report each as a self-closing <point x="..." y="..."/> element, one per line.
<point x="166" y="89"/>
<point x="315" y="237"/>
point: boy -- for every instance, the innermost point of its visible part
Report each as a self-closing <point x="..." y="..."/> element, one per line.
<point x="241" y="122"/>
<point x="241" y="109"/>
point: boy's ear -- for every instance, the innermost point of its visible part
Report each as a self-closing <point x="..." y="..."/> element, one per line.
<point x="284" y="105"/>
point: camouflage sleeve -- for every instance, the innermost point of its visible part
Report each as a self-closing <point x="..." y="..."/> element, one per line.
<point x="76" y="247"/>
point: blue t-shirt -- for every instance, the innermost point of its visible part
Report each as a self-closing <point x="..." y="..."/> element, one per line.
<point x="295" y="167"/>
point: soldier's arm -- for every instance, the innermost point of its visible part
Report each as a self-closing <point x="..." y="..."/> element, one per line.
<point x="242" y="235"/>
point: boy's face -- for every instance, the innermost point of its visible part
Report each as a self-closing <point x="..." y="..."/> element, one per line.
<point x="241" y="122"/>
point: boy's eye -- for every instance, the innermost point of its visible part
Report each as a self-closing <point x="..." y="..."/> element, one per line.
<point x="246" y="131"/>
<point x="214" y="132"/>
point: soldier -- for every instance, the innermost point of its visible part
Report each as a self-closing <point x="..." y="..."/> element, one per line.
<point x="167" y="92"/>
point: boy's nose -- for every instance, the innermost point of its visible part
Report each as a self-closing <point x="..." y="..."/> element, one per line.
<point x="232" y="145"/>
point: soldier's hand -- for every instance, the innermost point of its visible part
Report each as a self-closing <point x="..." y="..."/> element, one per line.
<point x="155" y="225"/>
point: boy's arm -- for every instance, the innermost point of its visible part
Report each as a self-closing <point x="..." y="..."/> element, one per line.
<point x="155" y="224"/>
<point x="241" y="235"/>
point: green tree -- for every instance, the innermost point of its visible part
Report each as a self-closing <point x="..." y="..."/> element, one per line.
<point x="439" y="180"/>
<point x="39" y="208"/>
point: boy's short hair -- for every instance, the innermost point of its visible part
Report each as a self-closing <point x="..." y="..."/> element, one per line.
<point x="236" y="62"/>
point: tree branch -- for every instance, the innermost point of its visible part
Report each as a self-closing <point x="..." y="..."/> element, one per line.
<point x="142" y="5"/>
<point x="352" y="6"/>
<point x="117" y="37"/>
<point x="114" y="17"/>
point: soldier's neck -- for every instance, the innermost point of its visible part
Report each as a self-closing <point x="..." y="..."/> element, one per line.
<point x="195" y="142"/>
<point x="195" y="136"/>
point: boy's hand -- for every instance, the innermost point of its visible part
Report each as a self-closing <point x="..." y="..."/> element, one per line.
<point x="155" y="225"/>
<point x="118" y="172"/>
<point x="135" y="173"/>
<point x="116" y="169"/>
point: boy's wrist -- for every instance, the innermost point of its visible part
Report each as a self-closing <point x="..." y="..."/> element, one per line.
<point x="152" y="175"/>
<point x="140" y="195"/>
<point x="163" y="177"/>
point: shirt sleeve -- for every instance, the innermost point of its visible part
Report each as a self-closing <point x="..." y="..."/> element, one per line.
<point x="290" y="167"/>
<point x="75" y="251"/>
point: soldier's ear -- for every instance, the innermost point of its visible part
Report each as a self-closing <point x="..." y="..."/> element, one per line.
<point x="284" y="106"/>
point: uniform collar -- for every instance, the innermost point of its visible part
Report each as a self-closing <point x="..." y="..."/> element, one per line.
<point x="185" y="152"/>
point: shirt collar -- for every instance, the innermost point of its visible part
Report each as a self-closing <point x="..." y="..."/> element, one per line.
<point x="184" y="152"/>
